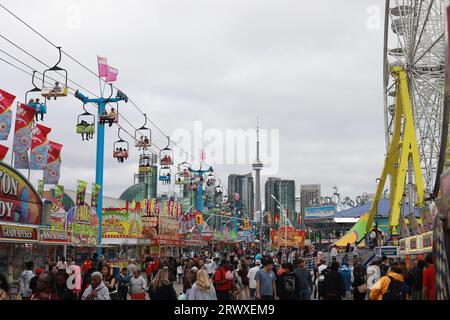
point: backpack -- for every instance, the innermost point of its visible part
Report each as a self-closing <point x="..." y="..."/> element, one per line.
<point x="289" y="283"/>
<point x="394" y="291"/>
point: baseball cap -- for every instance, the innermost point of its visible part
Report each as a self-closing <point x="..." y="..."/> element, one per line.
<point x="39" y="271"/>
<point x="195" y="269"/>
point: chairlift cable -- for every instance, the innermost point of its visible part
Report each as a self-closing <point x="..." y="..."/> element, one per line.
<point x="87" y="69"/>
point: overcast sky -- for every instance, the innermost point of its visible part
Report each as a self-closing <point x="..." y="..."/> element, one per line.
<point x="312" y="69"/>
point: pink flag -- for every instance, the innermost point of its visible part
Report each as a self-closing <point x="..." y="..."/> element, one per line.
<point x="202" y="155"/>
<point x="237" y="196"/>
<point x="102" y="66"/>
<point x="112" y="74"/>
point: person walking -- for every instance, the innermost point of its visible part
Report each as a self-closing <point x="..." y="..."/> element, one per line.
<point x="390" y="286"/>
<point x="110" y="281"/>
<point x="137" y="285"/>
<point x="202" y="289"/>
<point x="429" y="279"/>
<point x="63" y="292"/>
<point x="384" y="265"/>
<point x="334" y="283"/>
<point x="417" y="277"/>
<point x="221" y="283"/>
<point x="24" y="281"/>
<point x="346" y="275"/>
<point x="4" y="288"/>
<point x="266" y="288"/>
<point x="251" y="276"/>
<point x="161" y="288"/>
<point x="359" y="283"/>
<point x="287" y="283"/>
<point x="304" y="280"/>
<point x="322" y="270"/>
<point x="180" y="274"/>
<point x="97" y="289"/>
<point x="45" y="287"/>
<point x="62" y="263"/>
<point x="243" y="274"/>
<point x="123" y="283"/>
<point x="334" y="253"/>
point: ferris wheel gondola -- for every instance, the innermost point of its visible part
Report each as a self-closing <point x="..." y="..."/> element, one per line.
<point x="57" y="90"/>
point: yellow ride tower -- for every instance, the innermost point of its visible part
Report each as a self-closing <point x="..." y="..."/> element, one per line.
<point x="402" y="149"/>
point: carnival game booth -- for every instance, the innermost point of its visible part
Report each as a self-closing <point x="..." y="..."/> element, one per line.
<point x="82" y="222"/>
<point x="416" y="247"/>
<point x="54" y="237"/>
<point x="20" y="222"/>
<point x="121" y="231"/>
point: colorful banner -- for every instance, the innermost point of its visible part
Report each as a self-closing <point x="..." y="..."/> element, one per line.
<point x="81" y="192"/>
<point x="58" y="215"/>
<point x="40" y="188"/>
<point x="150" y="227"/>
<point x="22" y="136"/>
<point x="83" y="223"/>
<point x="6" y="100"/>
<point x="52" y="170"/>
<point x="19" y="201"/>
<point x="94" y="195"/>
<point x="39" y="147"/>
<point x="59" y="193"/>
<point x="5" y="124"/>
<point x="3" y="151"/>
<point x="121" y="223"/>
<point x="290" y="237"/>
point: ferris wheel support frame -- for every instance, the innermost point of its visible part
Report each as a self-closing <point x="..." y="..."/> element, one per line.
<point x="403" y="147"/>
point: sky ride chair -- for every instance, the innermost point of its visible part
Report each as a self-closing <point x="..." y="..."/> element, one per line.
<point x="35" y="103"/>
<point x="86" y="125"/>
<point x="57" y="90"/>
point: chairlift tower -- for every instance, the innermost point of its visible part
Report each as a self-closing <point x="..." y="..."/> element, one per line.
<point x="100" y="154"/>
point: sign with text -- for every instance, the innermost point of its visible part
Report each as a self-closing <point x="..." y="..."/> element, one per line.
<point x="55" y="236"/>
<point x="320" y="213"/>
<point x="18" y="233"/>
<point x="19" y="201"/>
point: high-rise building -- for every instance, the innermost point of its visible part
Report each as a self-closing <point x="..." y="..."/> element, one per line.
<point x="308" y="192"/>
<point x="272" y="187"/>
<point x="287" y="198"/>
<point x="244" y="186"/>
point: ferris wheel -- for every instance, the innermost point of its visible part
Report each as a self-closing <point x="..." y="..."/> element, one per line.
<point x="415" y="37"/>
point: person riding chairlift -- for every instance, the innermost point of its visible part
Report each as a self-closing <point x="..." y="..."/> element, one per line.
<point x="56" y="89"/>
<point x="112" y="117"/>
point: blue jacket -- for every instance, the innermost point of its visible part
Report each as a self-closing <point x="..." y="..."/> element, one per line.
<point x="347" y="276"/>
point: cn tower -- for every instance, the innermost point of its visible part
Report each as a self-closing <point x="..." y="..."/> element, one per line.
<point x="257" y="166"/>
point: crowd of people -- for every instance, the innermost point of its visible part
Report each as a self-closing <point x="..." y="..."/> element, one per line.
<point x="229" y="275"/>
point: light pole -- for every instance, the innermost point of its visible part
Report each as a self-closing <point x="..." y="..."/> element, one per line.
<point x="285" y="218"/>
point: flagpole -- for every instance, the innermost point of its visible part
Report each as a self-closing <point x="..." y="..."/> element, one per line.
<point x="99" y="81"/>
